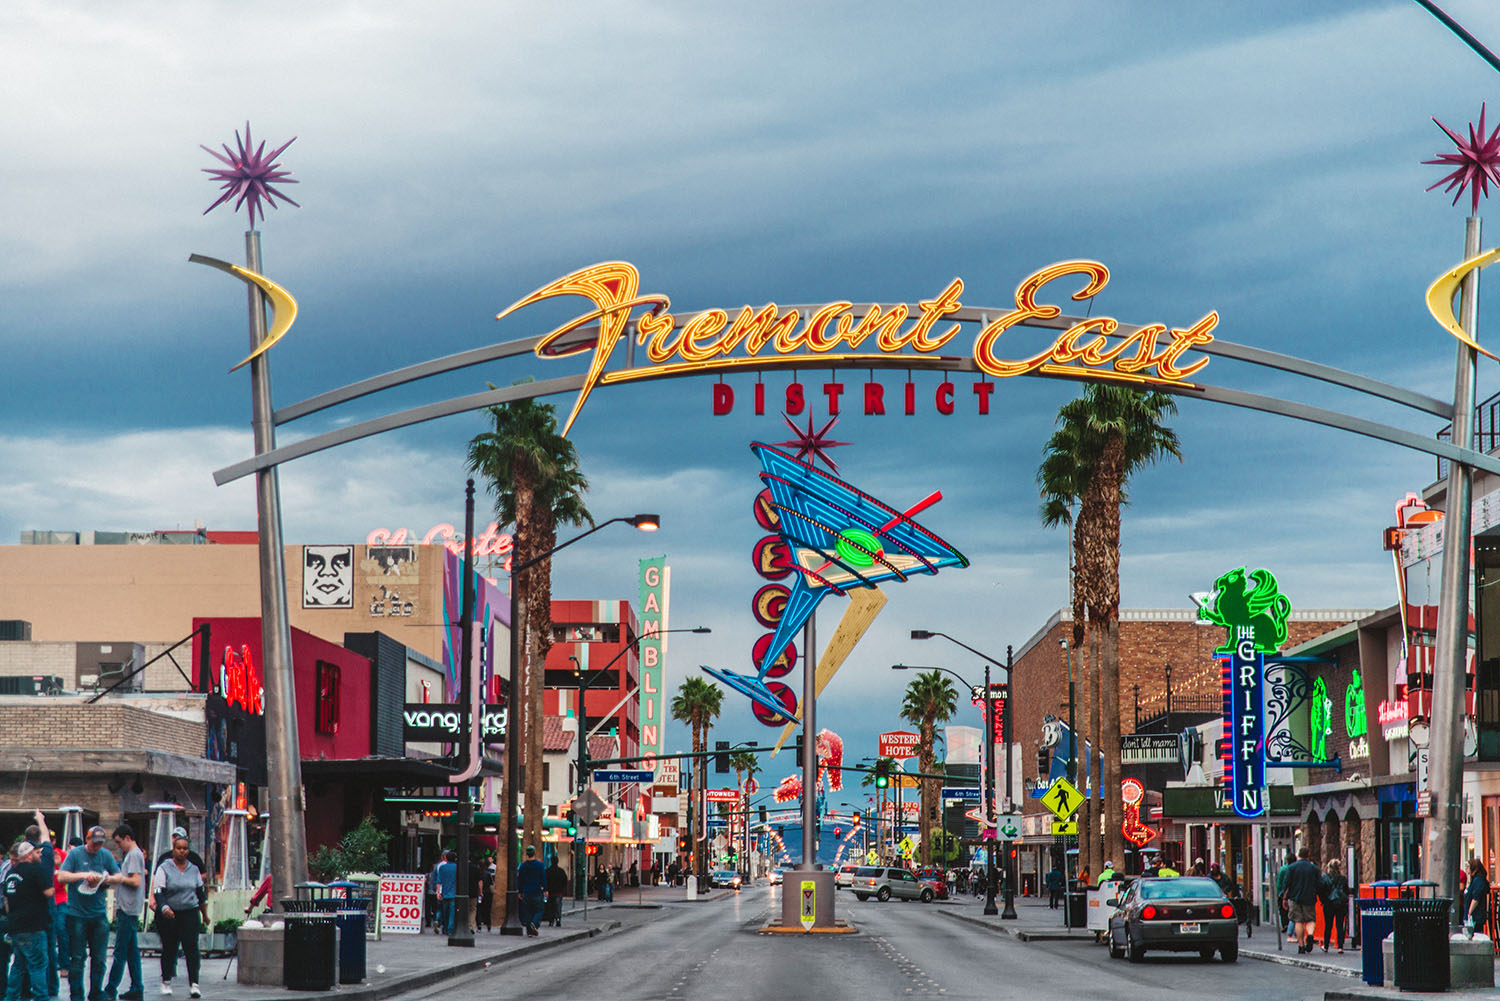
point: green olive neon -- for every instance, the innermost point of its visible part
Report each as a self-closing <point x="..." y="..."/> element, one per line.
<point x="855" y="547"/>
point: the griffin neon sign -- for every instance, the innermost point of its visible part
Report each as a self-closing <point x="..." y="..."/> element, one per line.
<point x="715" y="341"/>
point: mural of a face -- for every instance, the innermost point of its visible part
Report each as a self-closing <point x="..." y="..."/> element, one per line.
<point x="327" y="576"/>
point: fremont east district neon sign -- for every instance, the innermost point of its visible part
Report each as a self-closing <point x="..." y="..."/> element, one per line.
<point x="715" y="341"/>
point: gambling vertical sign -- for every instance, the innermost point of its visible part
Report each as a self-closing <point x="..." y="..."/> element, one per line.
<point x="656" y="579"/>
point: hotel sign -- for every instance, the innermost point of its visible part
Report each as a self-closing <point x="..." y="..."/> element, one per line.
<point x="713" y="340"/>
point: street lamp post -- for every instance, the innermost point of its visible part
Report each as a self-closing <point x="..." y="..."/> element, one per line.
<point x="989" y="740"/>
<point x="511" y="924"/>
<point x="580" y="867"/>
<point x="1072" y="775"/>
<point x="989" y="778"/>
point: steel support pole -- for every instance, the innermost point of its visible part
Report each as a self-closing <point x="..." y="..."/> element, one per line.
<point x="462" y="934"/>
<point x="511" y="925"/>
<point x="283" y="757"/>
<point x="580" y="859"/>
<point x="1446" y="746"/>
<point x="809" y="742"/>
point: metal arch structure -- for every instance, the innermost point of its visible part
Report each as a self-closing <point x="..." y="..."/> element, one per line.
<point x="583" y="337"/>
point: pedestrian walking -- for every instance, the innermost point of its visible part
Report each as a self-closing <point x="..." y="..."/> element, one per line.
<point x="1281" y="906"/>
<point x="130" y="898"/>
<point x="25" y="888"/>
<point x="1477" y="897"/>
<point x="87" y="870"/>
<point x="531" y="884"/>
<point x="175" y="890"/>
<point x="485" y="914"/>
<point x="447" y="883"/>
<point x="1054" y="887"/>
<point x="557" y="889"/>
<point x="1302" y="881"/>
<point x="1333" y="893"/>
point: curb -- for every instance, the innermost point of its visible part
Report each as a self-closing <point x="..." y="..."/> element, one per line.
<point x="397" y="986"/>
<point x="1021" y="934"/>
<point x="1306" y="964"/>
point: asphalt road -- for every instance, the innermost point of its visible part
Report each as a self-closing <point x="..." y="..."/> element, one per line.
<point x="711" y="952"/>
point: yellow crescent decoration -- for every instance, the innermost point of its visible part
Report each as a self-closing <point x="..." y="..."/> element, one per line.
<point x="1440" y="297"/>
<point x="283" y="306"/>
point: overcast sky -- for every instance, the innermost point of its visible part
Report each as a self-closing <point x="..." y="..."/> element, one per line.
<point x="1263" y="160"/>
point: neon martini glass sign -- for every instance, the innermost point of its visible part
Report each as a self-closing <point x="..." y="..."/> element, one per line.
<point x="839" y="537"/>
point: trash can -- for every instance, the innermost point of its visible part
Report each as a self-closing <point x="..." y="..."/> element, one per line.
<point x="350" y="914"/>
<point x="310" y="949"/>
<point x="1421" y="946"/>
<point x="1076" y="904"/>
<point x="1374" y="926"/>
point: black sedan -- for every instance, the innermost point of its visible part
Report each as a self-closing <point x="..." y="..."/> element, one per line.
<point x="1173" y="914"/>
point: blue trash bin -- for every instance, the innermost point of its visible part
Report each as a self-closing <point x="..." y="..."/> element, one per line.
<point x="1375" y="923"/>
<point x="350" y="917"/>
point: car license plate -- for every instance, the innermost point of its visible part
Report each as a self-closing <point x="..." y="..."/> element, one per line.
<point x="1189" y="928"/>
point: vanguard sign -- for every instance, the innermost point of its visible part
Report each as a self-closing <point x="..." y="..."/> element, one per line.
<point x="432" y="722"/>
<point x="713" y="341"/>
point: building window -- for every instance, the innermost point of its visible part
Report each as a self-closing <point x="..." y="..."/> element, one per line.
<point x="546" y="779"/>
<point x="586" y="632"/>
<point x="328" y="698"/>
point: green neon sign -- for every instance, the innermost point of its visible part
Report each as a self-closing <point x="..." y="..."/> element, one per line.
<point x="1320" y="720"/>
<point x="1248" y="604"/>
<point x="1354" y="707"/>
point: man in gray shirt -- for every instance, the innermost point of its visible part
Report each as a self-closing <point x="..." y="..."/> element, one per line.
<point x="130" y="896"/>
<point x="87" y="870"/>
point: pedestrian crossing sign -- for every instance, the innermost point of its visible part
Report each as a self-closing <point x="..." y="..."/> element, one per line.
<point x="1065" y="827"/>
<point x="1063" y="799"/>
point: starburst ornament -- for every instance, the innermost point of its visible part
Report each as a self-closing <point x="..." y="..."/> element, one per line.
<point x="250" y="175"/>
<point x="810" y="442"/>
<point x="1476" y="165"/>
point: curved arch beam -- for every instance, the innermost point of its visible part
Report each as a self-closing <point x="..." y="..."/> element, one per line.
<point x="551" y="387"/>
<point x="405" y="418"/>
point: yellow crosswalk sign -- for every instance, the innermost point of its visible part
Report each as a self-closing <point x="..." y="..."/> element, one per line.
<point x="1063" y="799"/>
<point x="1064" y="827"/>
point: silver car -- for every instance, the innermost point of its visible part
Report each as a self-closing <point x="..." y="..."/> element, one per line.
<point x="883" y="883"/>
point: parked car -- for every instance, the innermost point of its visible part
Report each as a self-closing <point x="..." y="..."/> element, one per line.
<point x="883" y="883"/>
<point x="724" y="877"/>
<point x="1173" y="914"/>
<point x="844" y="877"/>
<point x="935" y="878"/>
<point x="775" y="877"/>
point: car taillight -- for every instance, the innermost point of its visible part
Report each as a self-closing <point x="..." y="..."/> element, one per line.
<point x="1227" y="910"/>
<point x="1149" y="912"/>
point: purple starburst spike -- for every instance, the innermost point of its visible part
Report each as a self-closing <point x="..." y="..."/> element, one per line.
<point x="1476" y="165"/>
<point x="250" y="175"/>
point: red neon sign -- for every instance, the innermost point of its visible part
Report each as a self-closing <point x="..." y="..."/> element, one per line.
<point x="237" y="683"/>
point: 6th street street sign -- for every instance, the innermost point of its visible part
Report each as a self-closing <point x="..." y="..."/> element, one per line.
<point x="617" y="775"/>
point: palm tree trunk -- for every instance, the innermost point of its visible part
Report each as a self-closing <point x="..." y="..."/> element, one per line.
<point x="1110" y="472"/>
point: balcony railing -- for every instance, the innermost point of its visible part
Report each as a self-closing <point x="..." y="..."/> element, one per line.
<point x="1486" y="432"/>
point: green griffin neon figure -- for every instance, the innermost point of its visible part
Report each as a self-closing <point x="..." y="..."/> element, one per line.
<point x="1252" y="600"/>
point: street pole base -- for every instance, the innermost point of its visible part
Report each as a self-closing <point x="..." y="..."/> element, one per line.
<point x="990" y="910"/>
<point x="465" y="941"/>
<point x="508" y="930"/>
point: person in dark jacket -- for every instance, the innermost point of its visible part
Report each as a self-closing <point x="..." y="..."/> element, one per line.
<point x="1302" y="898"/>
<point x="1477" y="896"/>
<point x="1333" y="892"/>
<point x="557" y="889"/>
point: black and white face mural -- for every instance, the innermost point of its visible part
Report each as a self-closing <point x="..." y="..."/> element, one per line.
<point x="327" y="576"/>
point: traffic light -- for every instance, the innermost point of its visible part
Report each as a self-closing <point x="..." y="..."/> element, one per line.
<point x="838" y="832"/>
<point x="882" y="773"/>
<point x="856" y="818"/>
<point x="591" y="850"/>
<point x="721" y="756"/>
<point x="682" y="845"/>
<point x="1043" y="760"/>
<point x="799" y="750"/>
<point x="762" y="814"/>
<point x="572" y="825"/>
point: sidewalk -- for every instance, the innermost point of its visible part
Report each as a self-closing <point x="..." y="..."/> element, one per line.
<point x="399" y="964"/>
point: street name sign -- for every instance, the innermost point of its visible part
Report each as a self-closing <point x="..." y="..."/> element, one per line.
<point x="961" y="792"/>
<point x="623" y="775"/>
<point x="1063" y="799"/>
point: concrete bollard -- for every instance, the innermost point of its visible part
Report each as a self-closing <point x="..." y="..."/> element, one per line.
<point x="260" y="955"/>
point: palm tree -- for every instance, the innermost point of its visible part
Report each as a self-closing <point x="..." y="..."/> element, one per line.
<point x="1119" y="429"/>
<point x="745" y="765"/>
<point x="930" y="700"/>
<point x="533" y="473"/>
<point x="697" y="703"/>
